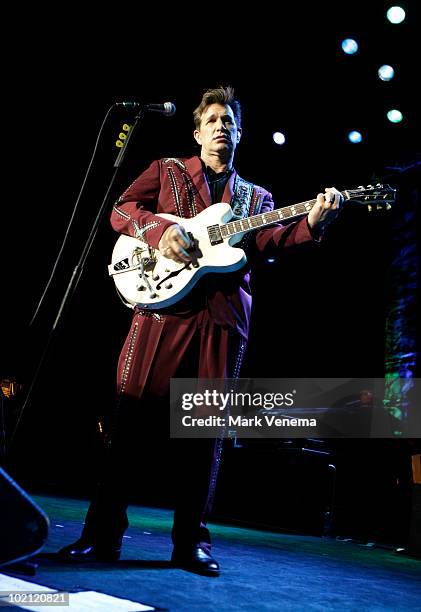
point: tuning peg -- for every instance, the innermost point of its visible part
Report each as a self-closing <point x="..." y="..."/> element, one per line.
<point x="360" y="187"/>
<point x="370" y="187"/>
<point x="379" y="185"/>
<point x="370" y="208"/>
<point x="388" y="206"/>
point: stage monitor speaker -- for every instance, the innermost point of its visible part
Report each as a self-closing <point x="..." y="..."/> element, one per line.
<point x="23" y="525"/>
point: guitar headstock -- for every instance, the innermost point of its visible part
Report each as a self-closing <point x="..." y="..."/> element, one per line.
<point x="375" y="197"/>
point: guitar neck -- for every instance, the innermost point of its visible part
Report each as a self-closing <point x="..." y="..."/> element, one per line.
<point x="274" y="216"/>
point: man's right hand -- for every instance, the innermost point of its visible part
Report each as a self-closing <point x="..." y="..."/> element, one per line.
<point x="173" y="244"/>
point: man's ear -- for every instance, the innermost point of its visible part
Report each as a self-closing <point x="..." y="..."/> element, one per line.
<point x="239" y="132"/>
<point x="196" y="136"/>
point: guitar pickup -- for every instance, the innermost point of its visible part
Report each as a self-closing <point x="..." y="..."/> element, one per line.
<point x="214" y="233"/>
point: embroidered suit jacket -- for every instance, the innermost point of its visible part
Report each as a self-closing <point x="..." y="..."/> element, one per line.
<point x="179" y="187"/>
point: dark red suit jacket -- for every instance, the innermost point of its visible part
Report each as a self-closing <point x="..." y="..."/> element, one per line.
<point x="179" y="187"/>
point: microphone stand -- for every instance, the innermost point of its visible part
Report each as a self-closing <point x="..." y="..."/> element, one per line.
<point x="79" y="268"/>
<point x="77" y="272"/>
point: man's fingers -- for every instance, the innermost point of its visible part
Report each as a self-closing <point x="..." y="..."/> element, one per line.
<point x="333" y="197"/>
<point x="179" y="235"/>
<point x="183" y="241"/>
<point x="329" y="198"/>
<point x="174" y="243"/>
<point x="182" y="253"/>
<point x="327" y="207"/>
<point x="177" y="253"/>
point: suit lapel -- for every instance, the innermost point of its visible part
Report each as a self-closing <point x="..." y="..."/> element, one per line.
<point x="194" y="168"/>
<point x="229" y="188"/>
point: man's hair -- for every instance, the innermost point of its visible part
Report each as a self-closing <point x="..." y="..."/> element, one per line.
<point x="219" y="95"/>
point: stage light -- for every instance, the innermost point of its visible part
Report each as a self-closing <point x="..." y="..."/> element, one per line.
<point x="386" y="72"/>
<point x="394" y="115"/>
<point x="270" y="260"/>
<point x="395" y="14"/>
<point x="279" y="138"/>
<point x="355" y="136"/>
<point x="349" y="46"/>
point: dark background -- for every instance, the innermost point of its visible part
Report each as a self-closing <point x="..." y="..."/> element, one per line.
<point x="318" y="313"/>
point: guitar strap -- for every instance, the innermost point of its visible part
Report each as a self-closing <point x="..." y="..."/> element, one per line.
<point x="242" y="197"/>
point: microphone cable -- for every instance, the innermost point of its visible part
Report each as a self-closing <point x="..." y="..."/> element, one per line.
<point x="72" y="217"/>
<point x="76" y="274"/>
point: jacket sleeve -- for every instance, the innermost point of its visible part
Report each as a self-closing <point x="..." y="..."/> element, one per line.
<point x="133" y="213"/>
<point x="274" y="237"/>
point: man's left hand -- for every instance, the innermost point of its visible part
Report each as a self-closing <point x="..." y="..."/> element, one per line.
<point x="326" y="208"/>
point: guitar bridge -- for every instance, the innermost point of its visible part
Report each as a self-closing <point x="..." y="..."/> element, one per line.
<point x="146" y="261"/>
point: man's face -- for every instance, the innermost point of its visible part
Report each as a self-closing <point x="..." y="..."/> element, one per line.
<point x="218" y="132"/>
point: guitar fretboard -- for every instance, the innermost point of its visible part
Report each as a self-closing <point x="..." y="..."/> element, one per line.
<point x="274" y="216"/>
<point x="379" y="195"/>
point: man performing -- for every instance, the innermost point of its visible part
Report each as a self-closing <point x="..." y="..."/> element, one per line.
<point x="204" y="335"/>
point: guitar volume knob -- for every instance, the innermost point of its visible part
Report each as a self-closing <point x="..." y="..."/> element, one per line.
<point x="168" y="285"/>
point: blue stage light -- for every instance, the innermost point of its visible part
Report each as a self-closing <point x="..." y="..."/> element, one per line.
<point x="349" y="46"/>
<point x="386" y="72"/>
<point x="394" y="115"/>
<point x="395" y="14"/>
<point x="355" y="136"/>
<point x="279" y="138"/>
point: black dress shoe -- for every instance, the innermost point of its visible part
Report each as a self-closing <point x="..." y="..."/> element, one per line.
<point x="85" y="551"/>
<point x="195" y="560"/>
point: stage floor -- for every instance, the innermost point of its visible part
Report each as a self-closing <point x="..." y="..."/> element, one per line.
<point x="260" y="570"/>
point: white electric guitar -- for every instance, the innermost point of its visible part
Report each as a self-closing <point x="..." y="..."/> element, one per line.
<point x="145" y="278"/>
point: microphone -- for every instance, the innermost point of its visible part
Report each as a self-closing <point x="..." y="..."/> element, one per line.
<point x="167" y="108"/>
